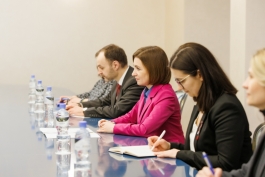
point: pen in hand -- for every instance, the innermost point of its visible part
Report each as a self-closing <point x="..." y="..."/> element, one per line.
<point x="207" y="161"/>
<point x="159" y="138"/>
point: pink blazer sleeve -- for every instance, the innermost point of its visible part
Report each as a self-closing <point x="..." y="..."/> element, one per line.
<point x="160" y="108"/>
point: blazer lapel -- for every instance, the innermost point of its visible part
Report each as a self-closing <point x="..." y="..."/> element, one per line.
<point x="194" y="114"/>
<point x="198" y="132"/>
<point x="141" y="104"/>
<point x="113" y="96"/>
<point x="145" y="106"/>
<point x="127" y="76"/>
<point x="148" y="100"/>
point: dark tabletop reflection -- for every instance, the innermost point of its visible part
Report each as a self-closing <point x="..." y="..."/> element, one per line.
<point x="107" y="165"/>
<point x="26" y="152"/>
<point x="74" y="122"/>
<point x="157" y="168"/>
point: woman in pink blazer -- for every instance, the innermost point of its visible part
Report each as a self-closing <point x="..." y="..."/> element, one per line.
<point x="158" y="108"/>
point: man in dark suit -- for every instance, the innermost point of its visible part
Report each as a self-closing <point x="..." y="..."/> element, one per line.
<point x="112" y="64"/>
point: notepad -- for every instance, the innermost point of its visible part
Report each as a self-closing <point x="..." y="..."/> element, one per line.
<point x="137" y="151"/>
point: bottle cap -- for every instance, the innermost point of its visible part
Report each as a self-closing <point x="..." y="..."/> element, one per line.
<point x="32" y="76"/>
<point x="82" y="124"/>
<point x="49" y="157"/>
<point x="39" y="82"/>
<point x="62" y="105"/>
<point x="49" y="88"/>
<point x="39" y="137"/>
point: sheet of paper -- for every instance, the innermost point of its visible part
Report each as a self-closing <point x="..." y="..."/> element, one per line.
<point x="141" y="151"/>
<point x="138" y="151"/>
<point x="52" y="135"/>
<point x="52" y="132"/>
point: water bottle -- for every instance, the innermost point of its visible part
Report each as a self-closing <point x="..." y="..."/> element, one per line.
<point x="63" y="162"/>
<point x="39" y="92"/>
<point x="49" y="145"/>
<point x="82" y="166"/>
<point x="49" y="104"/>
<point x="31" y="102"/>
<point x="62" y="120"/>
<point x="32" y="84"/>
<point x="32" y="120"/>
<point x="32" y="94"/>
<point x="39" y="105"/>
<point x="39" y="124"/>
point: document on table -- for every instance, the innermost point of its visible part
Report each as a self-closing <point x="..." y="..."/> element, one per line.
<point x="52" y="132"/>
<point x="137" y="151"/>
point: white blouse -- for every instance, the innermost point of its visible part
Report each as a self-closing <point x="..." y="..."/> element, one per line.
<point x="192" y="136"/>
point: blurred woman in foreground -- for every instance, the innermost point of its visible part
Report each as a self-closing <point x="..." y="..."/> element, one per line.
<point x="255" y="88"/>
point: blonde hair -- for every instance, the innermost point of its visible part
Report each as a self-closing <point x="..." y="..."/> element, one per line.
<point x="258" y="66"/>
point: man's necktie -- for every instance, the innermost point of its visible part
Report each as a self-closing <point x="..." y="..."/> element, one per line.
<point x="118" y="90"/>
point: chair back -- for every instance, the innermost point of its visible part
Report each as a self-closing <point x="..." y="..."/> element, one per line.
<point x="182" y="96"/>
<point x="258" y="131"/>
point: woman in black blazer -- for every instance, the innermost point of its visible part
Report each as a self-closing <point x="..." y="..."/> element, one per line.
<point x="218" y="123"/>
<point x="255" y="88"/>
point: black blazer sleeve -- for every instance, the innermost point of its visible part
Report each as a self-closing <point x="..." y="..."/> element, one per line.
<point x="108" y="107"/>
<point x="176" y="146"/>
<point x="224" y="136"/>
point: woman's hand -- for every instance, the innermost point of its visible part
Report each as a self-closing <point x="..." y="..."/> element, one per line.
<point x="161" y="145"/>
<point x="206" y="172"/>
<point x="106" y="127"/>
<point x="172" y="153"/>
<point x="100" y="123"/>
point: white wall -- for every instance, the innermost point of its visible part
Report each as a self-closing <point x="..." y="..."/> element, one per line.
<point x="246" y="37"/>
<point x="207" y="22"/>
<point x="255" y="33"/>
<point x="56" y="39"/>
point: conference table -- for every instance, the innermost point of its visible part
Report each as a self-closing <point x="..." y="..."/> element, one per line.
<point x="25" y="151"/>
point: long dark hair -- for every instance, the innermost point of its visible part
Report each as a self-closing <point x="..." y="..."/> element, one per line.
<point x="191" y="57"/>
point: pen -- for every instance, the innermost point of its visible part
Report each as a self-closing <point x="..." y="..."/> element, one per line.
<point x="159" y="138"/>
<point x="207" y="161"/>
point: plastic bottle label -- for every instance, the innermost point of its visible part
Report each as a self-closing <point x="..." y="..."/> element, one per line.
<point x="49" y="100"/>
<point x="61" y="119"/>
<point x="32" y="85"/>
<point x="39" y="90"/>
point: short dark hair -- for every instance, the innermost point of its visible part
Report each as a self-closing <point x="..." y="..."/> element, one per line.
<point x="156" y="62"/>
<point x="192" y="57"/>
<point x="113" y="52"/>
